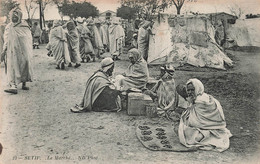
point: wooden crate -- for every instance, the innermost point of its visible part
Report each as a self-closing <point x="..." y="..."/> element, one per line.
<point x="137" y="104"/>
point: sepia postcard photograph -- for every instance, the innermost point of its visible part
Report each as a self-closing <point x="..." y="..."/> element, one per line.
<point x="129" y="81"/>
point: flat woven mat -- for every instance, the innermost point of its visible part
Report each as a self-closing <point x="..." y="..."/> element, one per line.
<point x="160" y="138"/>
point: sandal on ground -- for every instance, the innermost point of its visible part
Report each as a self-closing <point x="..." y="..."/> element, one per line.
<point x="70" y="65"/>
<point x="77" y="65"/>
<point x="13" y="91"/>
<point x="77" y="109"/>
<point x="49" y="54"/>
<point x="62" y="66"/>
<point x="88" y="59"/>
<point x="25" y="88"/>
<point x="114" y="57"/>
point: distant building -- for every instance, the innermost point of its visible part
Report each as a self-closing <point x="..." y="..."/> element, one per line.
<point x="107" y="15"/>
<point x="225" y="18"/>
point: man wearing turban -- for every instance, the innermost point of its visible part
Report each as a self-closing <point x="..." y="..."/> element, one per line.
<point x="116" y="38"/>
<point x="100" y="94"/>
<point x="143" y="39"/>
<point x="17" y="52"/>
<point x="58" y="45"/>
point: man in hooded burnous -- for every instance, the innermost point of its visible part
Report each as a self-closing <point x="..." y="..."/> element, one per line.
<point x="85" y="46"/>
<point x="100" y="94"/>
<point x="143" y="38"/>
<point x="116" y="38"/>
<point x="17" y="52"/>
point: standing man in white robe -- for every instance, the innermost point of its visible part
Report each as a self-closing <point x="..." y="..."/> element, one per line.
<point x="17" y="52"/>
<point x="143" y="39"/>
<point x="116" y="38"/>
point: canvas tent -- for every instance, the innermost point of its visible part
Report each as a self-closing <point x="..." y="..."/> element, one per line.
<point x="245" y="32"/>
<point x="182" y="40"/>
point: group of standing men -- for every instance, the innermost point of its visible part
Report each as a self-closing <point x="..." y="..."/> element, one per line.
<point x="88" y="39"/>
<point x="85" y="40"/>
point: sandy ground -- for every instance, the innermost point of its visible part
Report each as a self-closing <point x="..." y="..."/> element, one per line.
<point x="37" y="126"/>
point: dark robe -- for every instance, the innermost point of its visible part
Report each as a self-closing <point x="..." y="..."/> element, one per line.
<point x="98" y="94"/>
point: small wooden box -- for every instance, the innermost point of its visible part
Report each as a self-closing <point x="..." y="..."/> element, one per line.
<point x="137" y="103"/>
<point x="151" y="110"/>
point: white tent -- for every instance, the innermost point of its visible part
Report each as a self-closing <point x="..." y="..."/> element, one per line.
<point x="183" y="40"/>
<point x="245" y="32"/>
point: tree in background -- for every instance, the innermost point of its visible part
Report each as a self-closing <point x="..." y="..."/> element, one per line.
<point x="236" y="10"/>
<point x="178" y="4"/>
<point x="146" y="8"/>
<point x="6" y="6"/>
<point x="76" y="9"/>
<point x="30" y="7"/>
<point x="60" y="4"/>
<point x="42" y="6"/>
<point x="126" y="12"/>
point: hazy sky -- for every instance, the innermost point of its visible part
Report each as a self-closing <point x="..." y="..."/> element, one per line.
<point x="202" y="6"/>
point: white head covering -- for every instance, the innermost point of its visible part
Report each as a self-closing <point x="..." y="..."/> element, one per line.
<point x="107" y="63"/>
<point x="79" y="20"/>
<point x="90" y="22"/>
<point x="17" y="12"/>
<point x="56" y="23"/>
<point x="96" y="21"/>
<point x="145" y="24"/>
<point x="89" y="19"/>
<point x="135" y="53"/>
<point x="116" y="20"/>
<point x="199" y="87"/>
<point x="202" y="97"/>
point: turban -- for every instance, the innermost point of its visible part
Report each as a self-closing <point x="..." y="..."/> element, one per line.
<point x="17" y="12"/>
<point x="169" y="69"/>
<point x="107" y="63"/>
<point x="96" y="21"/>
<point x="79" y="20"/>
<point x="56" y="23"/>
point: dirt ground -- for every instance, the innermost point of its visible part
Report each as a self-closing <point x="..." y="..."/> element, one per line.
<point x="37" y="126"/>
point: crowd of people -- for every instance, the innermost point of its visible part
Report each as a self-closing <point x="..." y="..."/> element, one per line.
<point x="85" y="40"/>
<point x="201" y="121"/>
<point x="90" y="38"/>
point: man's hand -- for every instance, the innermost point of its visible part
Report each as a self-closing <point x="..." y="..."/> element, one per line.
<point x="150" y="93"/>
